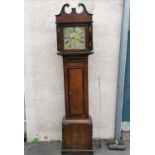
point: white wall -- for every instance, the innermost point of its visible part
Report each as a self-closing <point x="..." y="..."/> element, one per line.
<point x="44" y="85"/>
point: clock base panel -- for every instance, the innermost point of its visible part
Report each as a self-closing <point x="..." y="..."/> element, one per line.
<point x="77" y="136"/>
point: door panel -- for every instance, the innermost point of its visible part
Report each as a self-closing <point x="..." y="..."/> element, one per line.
<point x="76" y="99"/>
<point x="76" y="88"/>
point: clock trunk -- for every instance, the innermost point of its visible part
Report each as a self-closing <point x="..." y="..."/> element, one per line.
<point x="76" y="86"/>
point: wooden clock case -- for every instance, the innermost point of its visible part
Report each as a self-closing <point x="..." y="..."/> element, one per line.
<point x="76" y="124"/>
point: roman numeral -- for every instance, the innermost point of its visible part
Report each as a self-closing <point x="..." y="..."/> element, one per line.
<point x="66" y="37"/>
<point x="66" y="41"/>
<point x="70" y="29"/>
<point x="81" y="33"/>
<point x="73" y="29"/>
<point x="81" y="41"/>
<point x="69" y="45"/>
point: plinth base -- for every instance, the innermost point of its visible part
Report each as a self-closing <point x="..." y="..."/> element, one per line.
<point x="77" y="152"/>
<point x="77" y="136"/>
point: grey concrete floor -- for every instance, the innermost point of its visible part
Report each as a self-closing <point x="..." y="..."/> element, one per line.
<point x="54" y="148"/>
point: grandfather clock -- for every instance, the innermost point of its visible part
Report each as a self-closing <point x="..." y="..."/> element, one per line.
<point x="75" y="43"/>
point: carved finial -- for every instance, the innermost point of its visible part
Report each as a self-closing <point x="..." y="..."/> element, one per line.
<point x="73" y="10"/>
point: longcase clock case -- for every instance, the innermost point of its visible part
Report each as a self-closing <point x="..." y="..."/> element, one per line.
<point x="76" y="124"/>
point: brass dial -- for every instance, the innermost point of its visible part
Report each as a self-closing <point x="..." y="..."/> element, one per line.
<point x="74" y="37"/>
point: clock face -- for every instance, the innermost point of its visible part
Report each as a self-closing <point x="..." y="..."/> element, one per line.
<point x="74" y="37"/>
